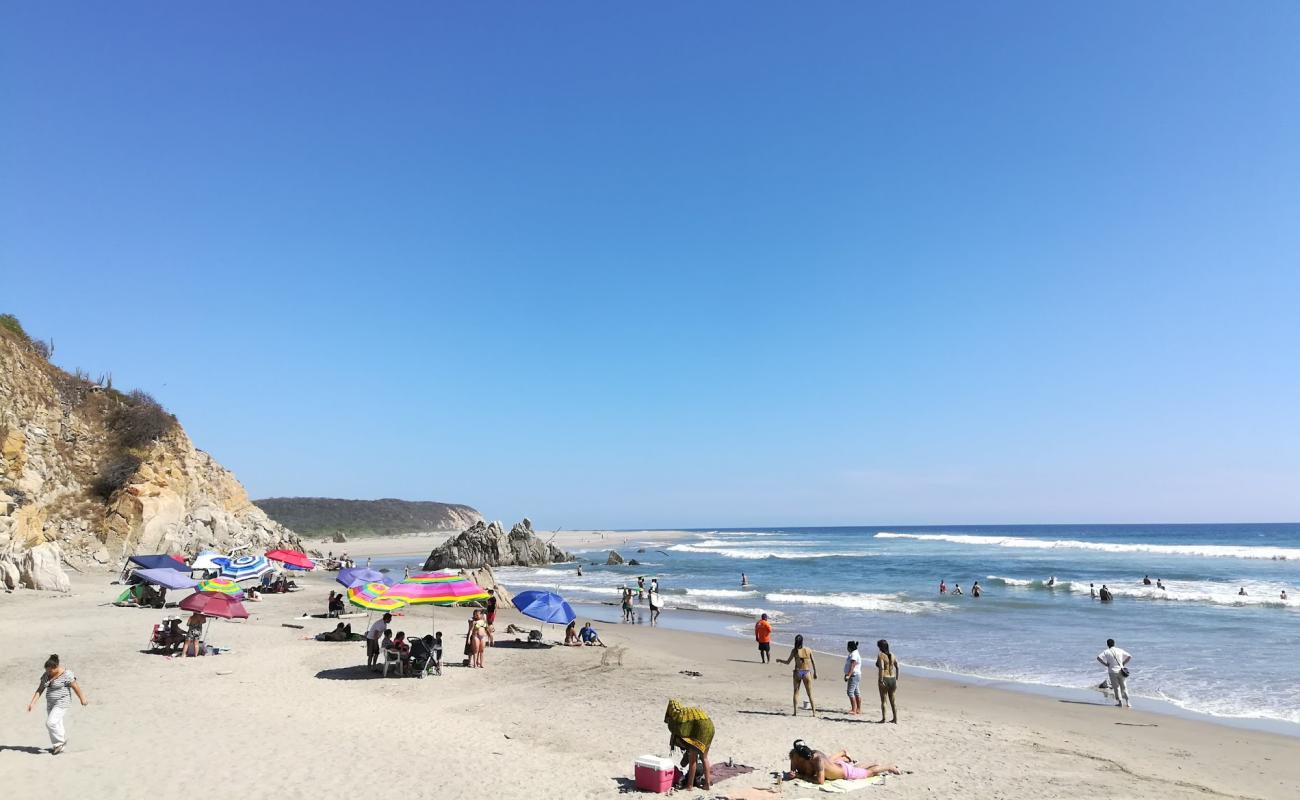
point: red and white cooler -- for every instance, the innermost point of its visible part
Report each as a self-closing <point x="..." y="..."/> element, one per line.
<point x="654" y="774"/>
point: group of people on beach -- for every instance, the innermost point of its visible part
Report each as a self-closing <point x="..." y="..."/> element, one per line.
<point x="642" y="592"/>
<point x="805" y="670"/>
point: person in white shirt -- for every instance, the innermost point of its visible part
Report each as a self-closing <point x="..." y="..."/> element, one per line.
<point x="853" y="678"/>
<point x="1115" y="659"/>
<point x="373" y="634"/>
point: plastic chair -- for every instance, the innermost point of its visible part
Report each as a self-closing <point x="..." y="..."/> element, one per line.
<point x="391" y="656"/>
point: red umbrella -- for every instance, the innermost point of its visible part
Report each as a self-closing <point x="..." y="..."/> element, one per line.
<point x="291" y="558"/>
<point x="210" y="604"/>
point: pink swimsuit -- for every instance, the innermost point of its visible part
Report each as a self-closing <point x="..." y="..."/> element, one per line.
<point x="851" y="772"/>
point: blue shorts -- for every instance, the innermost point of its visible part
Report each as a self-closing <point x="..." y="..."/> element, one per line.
<point x="854" y="681"/>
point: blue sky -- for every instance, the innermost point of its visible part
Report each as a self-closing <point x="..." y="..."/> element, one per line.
<point x="681" y="264"/>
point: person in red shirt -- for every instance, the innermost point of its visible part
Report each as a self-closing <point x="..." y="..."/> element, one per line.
<point x="763" y="635"/>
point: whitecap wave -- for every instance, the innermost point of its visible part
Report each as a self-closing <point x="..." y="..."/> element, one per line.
<point x="755" y="553"/>
<point x="889" y="603"/>
<point x="723" y="608"/>
<point x="1206" y="550"/>
<point x="720" y="592"/>
<point x="1213" y="592"/>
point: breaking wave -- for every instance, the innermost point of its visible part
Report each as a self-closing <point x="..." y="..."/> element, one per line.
<point x="1206" y="550"/>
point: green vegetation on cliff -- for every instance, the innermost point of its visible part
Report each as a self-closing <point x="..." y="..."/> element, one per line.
<point x="324" y="516"/>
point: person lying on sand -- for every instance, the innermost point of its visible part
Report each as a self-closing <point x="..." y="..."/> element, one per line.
<point x="816" y="767"/>
<point x="341" y="633"/>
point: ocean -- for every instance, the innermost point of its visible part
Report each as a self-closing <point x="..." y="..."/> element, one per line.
<point x="1198" y="644"/>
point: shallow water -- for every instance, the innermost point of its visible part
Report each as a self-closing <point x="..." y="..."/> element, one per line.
<point x="1197" y="644"/>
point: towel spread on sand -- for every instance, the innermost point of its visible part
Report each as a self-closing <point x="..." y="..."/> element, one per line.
<point x="840" y="786"/>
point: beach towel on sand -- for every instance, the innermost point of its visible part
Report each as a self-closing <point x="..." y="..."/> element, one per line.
<point x="840" y="786"/>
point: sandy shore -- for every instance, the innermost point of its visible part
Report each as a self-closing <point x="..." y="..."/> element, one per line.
<point x="286" y="717"/>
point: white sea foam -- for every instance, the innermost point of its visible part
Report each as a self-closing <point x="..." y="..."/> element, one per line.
<point x="890" y="603"/>
<point x="720" y="592"/>
<point x="1207" y="550"/>
<point x="710" y="548"/>
<point x="1213" y="592"/>
<point x="723" y="608"/>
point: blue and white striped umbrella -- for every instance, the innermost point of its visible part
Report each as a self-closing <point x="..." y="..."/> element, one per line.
<point x="243" y="568"/>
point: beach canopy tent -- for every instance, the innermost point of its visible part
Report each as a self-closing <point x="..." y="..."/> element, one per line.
<point x="161" y="561"/>
<point x="292" y="559"/>
<point x="131" y="595"/>
<point x="544" y="606"/>
<point x="166" y="578"/>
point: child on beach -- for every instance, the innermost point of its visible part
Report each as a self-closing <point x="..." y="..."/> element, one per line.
<point x="853" y="678"/>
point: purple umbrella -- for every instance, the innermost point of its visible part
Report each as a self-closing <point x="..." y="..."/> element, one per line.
<point x="358" y="576"/>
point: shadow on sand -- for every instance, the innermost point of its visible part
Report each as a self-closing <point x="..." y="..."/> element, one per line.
<point x="22" y="748"/>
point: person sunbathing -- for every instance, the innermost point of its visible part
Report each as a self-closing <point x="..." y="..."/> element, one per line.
<point x="172" y="637"/>
<point x="816" y="767"/>
<point x="341" y="633"/>
<point x="571" y="635"/>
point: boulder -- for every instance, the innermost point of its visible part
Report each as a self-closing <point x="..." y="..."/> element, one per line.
<point x="488" y="545"/>
<point x="614" y="558"/>
<point x="41" y="568"/>
<point x="339" y="538"/>
<point x="634" y="563"/>
<point x="10" y="577"/>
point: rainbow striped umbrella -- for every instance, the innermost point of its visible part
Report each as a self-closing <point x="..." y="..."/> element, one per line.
<point x="222" y="586"/>
<point x="441" y="593"/>
<point x="244" y="568"/>
<point x="370" y="596"/>
<point x="433" y="577"/>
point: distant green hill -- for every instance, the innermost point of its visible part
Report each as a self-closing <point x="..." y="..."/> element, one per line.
<point x="324" y="516"/>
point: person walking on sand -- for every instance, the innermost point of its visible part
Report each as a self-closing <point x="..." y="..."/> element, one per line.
<point x="1115" y="660"/>
<point x="887" y="679"/>
<point x="805" y="672"/>
<point x="58" y="684"/>
<point x="763" y="635"/>
<point x="853" y="678"/>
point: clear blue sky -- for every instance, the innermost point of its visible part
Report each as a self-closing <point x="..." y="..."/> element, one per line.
<point x="681" y="264"/>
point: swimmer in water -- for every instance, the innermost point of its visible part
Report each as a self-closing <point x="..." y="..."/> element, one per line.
<point x="1051" y="581"/>
<point x="744" y="580"/>
<point x="975" y="589"/>
<point x="1159" y="585"/>
<point x="956" y="588"/>
<point x="1242" y="592"/>
<point x="943" y="587"/>
<point x="1092" y="590"/>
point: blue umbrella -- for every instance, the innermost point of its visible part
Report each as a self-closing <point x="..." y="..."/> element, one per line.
<point x="167" y="578"/>
<point x="357" y="576"/>
<point x="544" y="606"/>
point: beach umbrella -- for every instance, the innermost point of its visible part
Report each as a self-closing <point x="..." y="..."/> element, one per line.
<point x="544" y="606"/>
<point x="208" y="559"/>
<point x="354" y="576"/>
<point x="167" y="578"/>
<point x="222" y="586"/>
<point x="370" y="597"/>
<point x="291" y="558"/>
<point x="211" y="604"/>
<point x="245" y="568"/>
<point x="423" y="588"/>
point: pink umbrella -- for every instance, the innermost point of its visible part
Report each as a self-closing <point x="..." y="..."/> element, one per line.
<point x="447" y="589"/>
<point x="210" y="604"/>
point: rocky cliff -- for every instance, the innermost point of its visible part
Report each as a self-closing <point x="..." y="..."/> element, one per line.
<point x="484" y="545"/>
<point x="89" y="476"/>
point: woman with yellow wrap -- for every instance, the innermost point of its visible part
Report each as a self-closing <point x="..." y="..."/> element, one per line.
<point x="692" y="731"/>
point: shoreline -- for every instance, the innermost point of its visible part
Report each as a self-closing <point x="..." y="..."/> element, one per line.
<point x="559" y="722"/>
<point x="722" y="623"/>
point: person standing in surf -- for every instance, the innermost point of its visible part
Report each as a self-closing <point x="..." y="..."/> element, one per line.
<point x="1115" y="660"/>
<point x="805" y="672"/>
